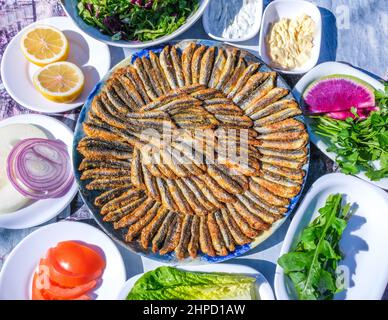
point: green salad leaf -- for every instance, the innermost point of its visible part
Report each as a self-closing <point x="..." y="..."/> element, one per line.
<point x="136" y="20"/>
<point x="359" y="143"/>
<point x="312" y="265"/>
<point x="168" y="283"/>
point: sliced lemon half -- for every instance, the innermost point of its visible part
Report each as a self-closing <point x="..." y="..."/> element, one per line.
<point x="44" y="44"/>
<point x="60" y="81"/>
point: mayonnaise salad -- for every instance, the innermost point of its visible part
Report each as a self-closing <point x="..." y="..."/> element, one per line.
<point x="10" y="199"/>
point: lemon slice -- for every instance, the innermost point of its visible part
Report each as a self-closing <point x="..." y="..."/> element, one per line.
<point x="59" y="81"/>
<point x="44" y="44"/>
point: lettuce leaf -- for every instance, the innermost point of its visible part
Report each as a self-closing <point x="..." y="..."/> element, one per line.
<point x="168" y="283"/>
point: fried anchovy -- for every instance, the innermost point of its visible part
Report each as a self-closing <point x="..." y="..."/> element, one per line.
<point x="115" y="99"/>
<point x="224" y="109"/>
<point x="225" y="233"/>
<point x="238" y="71"/>
<point x="98" y="142"/>
<point x="100" y="131"/>
<point x="173" y="236"/>
<point x="264" y="205"/>
<point x="103" y="172"/>
<point x="221" y="194"/>
<point x="217" y="68"/>
<point x="100" y="109"/>
<point x="177" y="64"/>
<point x="150" y="184"/>
<point x="100" y="153"/>
<point x="250" y="86"/>
<point x="222" y="101"/>
<point x="138" y="64"/>
<point x="281" y="135"/>
<point x="263" y="193"/>
<point x="246" y="75"/>
<point x="195" y="205"/>
<point x="275" y="107"/>
<point x="205" y="94"/>
<point x="125" y="199"/>
<point x="285" y="181"/>
<point x="262" y="90"/>
<point x="187" y="56"/>
<point x="278" y="116"/>
<point x="259" y="211"/>
<point x="234" y="121"/>
<point x="242" y="224"/>
<point x="164" y="85"/>
<point x="196" y="63"/>
<point x="206" y="66"/>
<point x="193" y="245"/>
<point x="165" y="195"/>
<point x="284" y="162"/>
<point x="136" y="172"/>
<point x="204" y="238"/>
<point x="123" y="211"/>
<point x="260" y="103"/>
<point x="138" y="226"/>
<point x="238" y="236"/>
<point x="152" y="76"/>
<point x="178" y="197"/>
<point x="216" y="237"/>
<point x="150" y="230"/>
<point x="254" y="220"/>
<point x="168" y="68"/>
<point x="132" y="75"/>
<point x="134" y="216"/>
<point x="284" y="125"/>
<point x="123" y="94"/>
<point x="224" y="180"/>
<point x="181" y="249"/>
<point x="294" y="174"/>
<point x="277" y="189"/>
<point x="286" y="145"/>
<point x="228" y="69"/>
<point x="132" y="91"/>
<point x="162" y="232"/>
<point x="201" y="198"/>
<point x="109" y="195"/>
<point x="104" y="184"/>
<point x="109" y="106"/>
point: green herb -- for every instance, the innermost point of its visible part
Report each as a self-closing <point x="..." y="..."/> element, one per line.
<point x="359" y="143"/>
<point x="312" y="265"/>
<point x="168" y="283"/>
<point x="142" y="20"/>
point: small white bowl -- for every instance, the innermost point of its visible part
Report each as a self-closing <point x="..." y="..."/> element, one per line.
<point x="279" y="9"/>
<point x="249" y="35"/>
<point x="263" y="288"/>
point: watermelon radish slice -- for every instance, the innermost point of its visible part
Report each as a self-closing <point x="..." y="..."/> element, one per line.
<point x="338" y="92"/>
<point x="342" y="115"/>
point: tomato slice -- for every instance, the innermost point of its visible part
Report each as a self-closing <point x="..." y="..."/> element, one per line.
<point x="54" y="292"/>
<point x="74" y="264"/>
<point x="37" y="293"/>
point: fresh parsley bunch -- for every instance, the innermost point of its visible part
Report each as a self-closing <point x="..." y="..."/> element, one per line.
<point x="312" y="265"/>
<point x="359" y="144"/>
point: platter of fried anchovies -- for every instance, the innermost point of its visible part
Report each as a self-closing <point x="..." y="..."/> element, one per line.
<point x="192" y="152"/>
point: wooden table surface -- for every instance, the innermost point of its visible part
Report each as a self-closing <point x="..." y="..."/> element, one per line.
<point x="354" y="31"/>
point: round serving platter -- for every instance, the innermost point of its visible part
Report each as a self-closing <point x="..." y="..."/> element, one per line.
<point x="118" y="235"/>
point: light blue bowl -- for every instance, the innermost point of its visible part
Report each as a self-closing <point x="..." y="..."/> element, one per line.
<point x="70" y="7"/>
<point x="119" y="235"/>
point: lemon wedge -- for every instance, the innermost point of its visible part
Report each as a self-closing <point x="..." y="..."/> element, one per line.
<point x="60" y="81"/>
<point x="44" y="44"/>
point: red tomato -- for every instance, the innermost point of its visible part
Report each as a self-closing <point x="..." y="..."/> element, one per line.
<point x="73" y="264"/>
<point x="37" y="294"/>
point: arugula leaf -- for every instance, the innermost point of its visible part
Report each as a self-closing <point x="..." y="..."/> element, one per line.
<point x="312" y="265"/>
<point x="357" y="143"/>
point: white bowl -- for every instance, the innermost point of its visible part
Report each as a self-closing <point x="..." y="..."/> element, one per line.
<point x="40" y="211"/>
<point x="250" y="35"/>
<point x="18" y="270"/>
<point x="263" y="288"/>
<point x="70" y="7"/>
<point x="91" y="56"/>
<point x="364" y="241"/>
<point x="279" y="9"/>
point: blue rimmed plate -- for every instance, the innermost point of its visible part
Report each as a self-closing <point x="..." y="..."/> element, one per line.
<point x="118" y="235"/>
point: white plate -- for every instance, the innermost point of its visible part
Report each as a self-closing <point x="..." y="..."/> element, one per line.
<point x="255" y="29"/>
<point x="364" y="242"/>
<point x="16" y="275"/>
<point x="263" y="288"/>
<point x="279" y="9"/>
<point x="90" y="55"/>
<point x="323" y="70"/>
<point x="43" y="210"/>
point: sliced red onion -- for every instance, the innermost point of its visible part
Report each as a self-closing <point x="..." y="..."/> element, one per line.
<point x="40" y="168"/>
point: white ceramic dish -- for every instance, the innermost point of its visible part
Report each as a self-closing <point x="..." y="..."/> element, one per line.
<point x="90" y="55"/>
<point x="70" y="7"/>
<point x="17" y="272"/>
<point x="43" y="210"/>
<point x="249" y="35"/>
<point x="363" y="243"/>
<point x="279" y="9"/>
<point x="263" y="288"/>
<point x="323" y="70"/>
